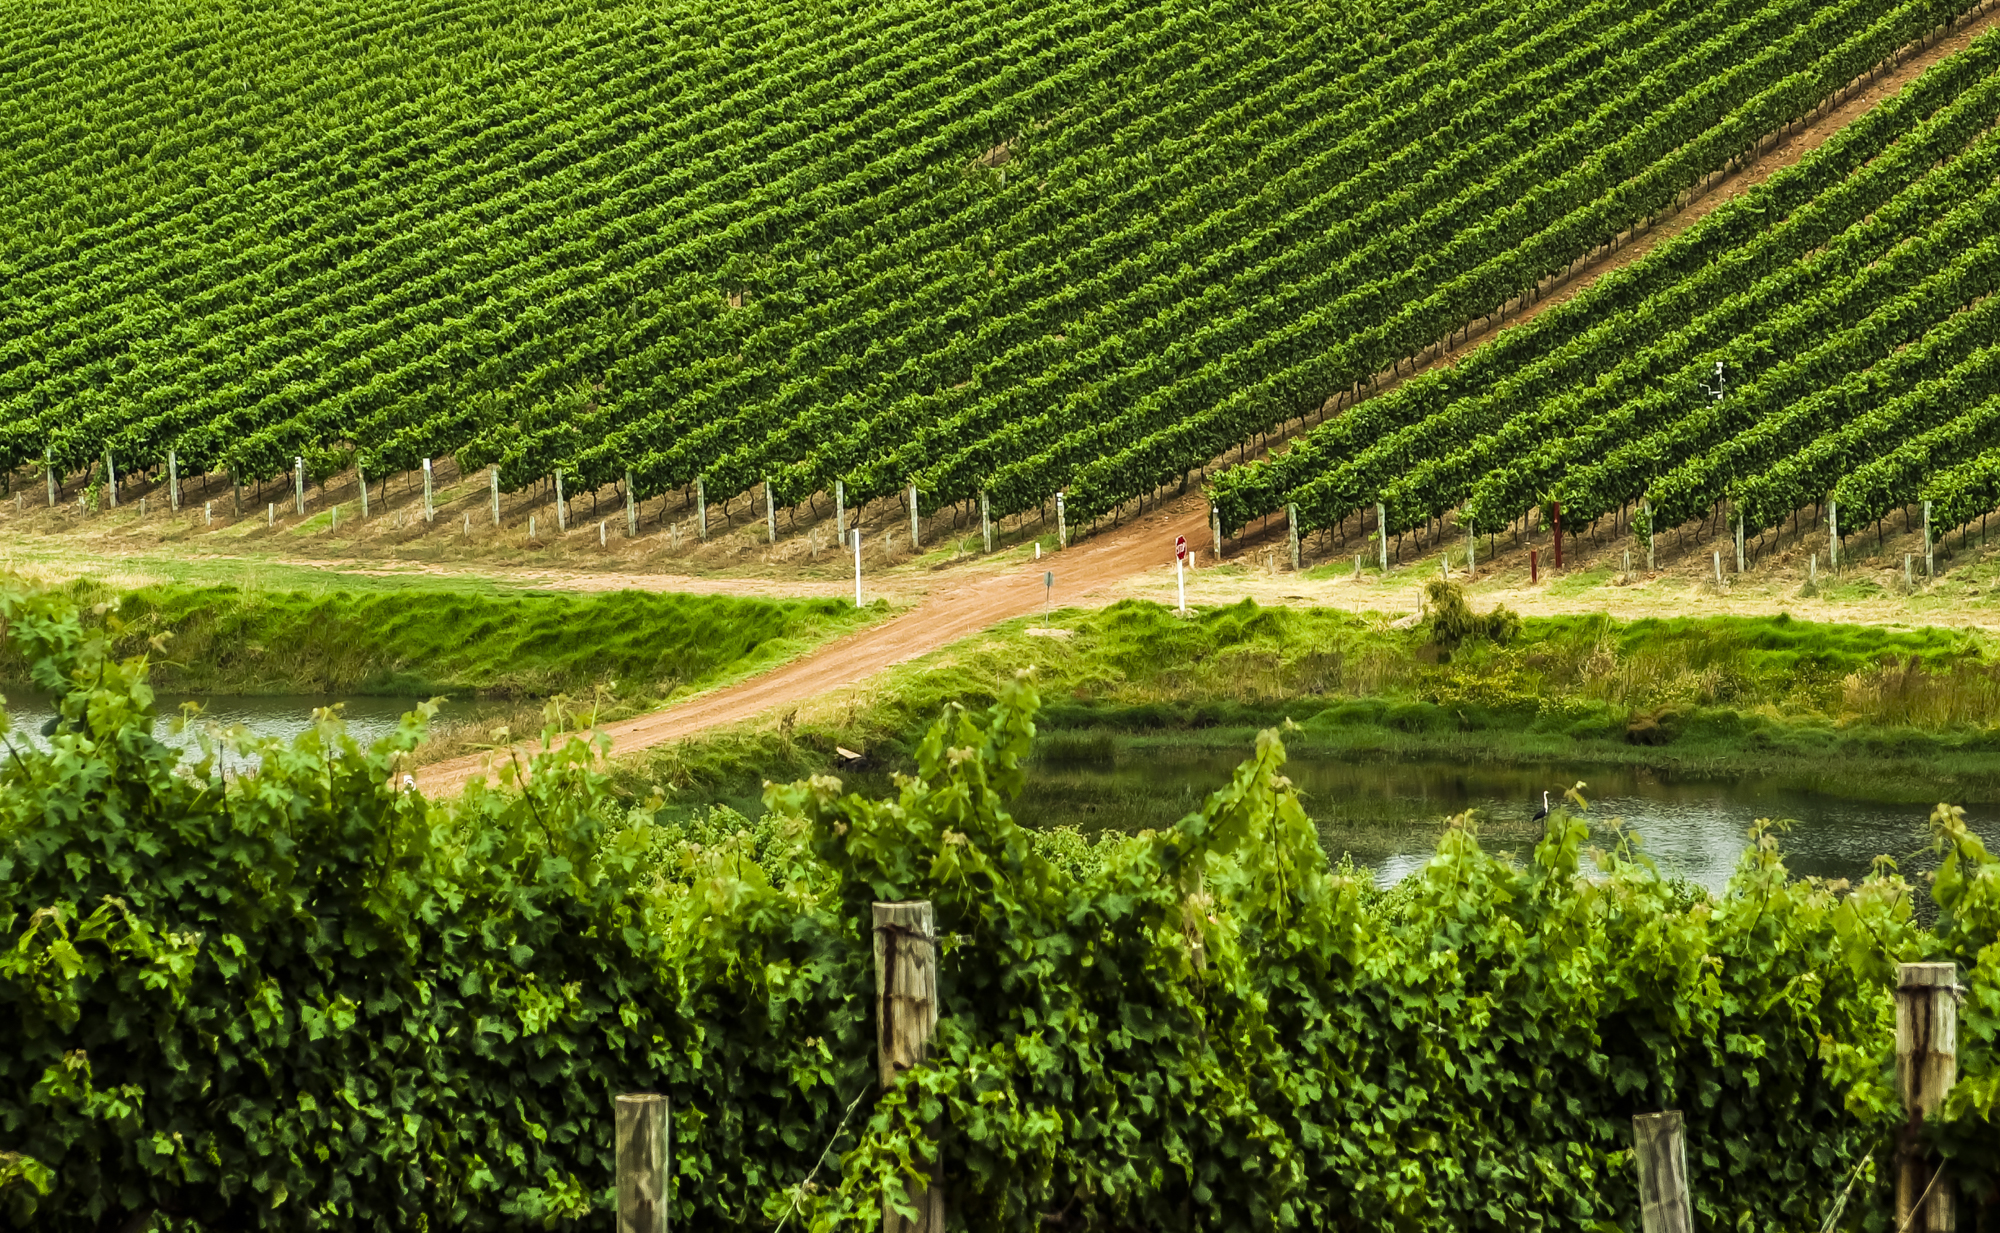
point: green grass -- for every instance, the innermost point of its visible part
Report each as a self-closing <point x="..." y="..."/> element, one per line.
<point x="636" y="649"/>
<point x="1913" y="713"/>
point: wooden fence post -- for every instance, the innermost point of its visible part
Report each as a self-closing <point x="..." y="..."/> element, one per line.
<point x="985" y="523"/>
<point x="1832" y="537"/>
<point x="1062" y="527"/>
<point x="1659" y="1143"/>
<point x="1292" y="533"/>
<point x="913" y="518"/>
<point x="643" y="1145"/>
<point x="173" y="481"/>
<point x="493" y="487"/>
<point x="1647" y="507"/>
<point x="906" y="1018"/>
<point x="700" y="508"/>
<point x="49" y="462"/>
<point x="430" y="507"/>
<point x="1926" y="1067"/>
<point x="562" y="510"/>
<point x="1930" y="563"/>
<point x="770" y="513"/>
<point x="361" y="480"/>
<point x="840" y="511"/>
<point x="110" y="478"/>
<point x="1382" y="533"/>
<point x="1215" y="527"/>
<point x="631" y="509"/>
<point x="299" y="484"/>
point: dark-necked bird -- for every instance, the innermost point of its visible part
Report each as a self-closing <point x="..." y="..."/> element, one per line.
<point x="1545" y="809"/>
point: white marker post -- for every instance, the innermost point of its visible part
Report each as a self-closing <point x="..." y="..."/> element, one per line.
<point x="208" y="512"/>
<point x="914" y="546"/>
<point x="493" y="482"/>
<point x="173" y="481"/>
<point x="771" y="514"/>
<point x="430" y="509"/>
<point x="1062" y="529"/>
<point x="700" y="509"/>
<point x="1048" y="595"/>
<point x="562" y="510"/>
<point x="985" y="522"/>
<point x="49" y="462"/>
<point x="631" y="509"/>
<point x="110" y="478"/>
<point x="1180" y="569"/>
<point x="361" y="481"/>
<point x="333" y="520"/>
<point x="299" y="484"/>
<point x="857" y="567"/>
<point x="840" y="511"/>
<point x="1382" y="533"/>
<point x="1930" y="563"/>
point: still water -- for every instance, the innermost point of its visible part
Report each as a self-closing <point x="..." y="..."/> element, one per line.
<point x="1385" y="815"/>
<point x="368" y="719"/>
<point x="1388" y="815"/>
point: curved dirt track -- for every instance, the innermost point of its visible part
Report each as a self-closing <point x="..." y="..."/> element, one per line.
<point x="945" y="615"/>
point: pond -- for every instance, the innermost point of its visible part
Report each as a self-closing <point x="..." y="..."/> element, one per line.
<point x="1388" y="815"/>
<point x="368" y="718"/>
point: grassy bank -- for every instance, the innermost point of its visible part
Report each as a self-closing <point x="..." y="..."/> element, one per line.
<point x="631" y="650"/>
<point x="1907" y="714"/>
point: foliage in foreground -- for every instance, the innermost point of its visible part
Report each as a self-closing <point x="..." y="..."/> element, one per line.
<point x="305" y="999"/>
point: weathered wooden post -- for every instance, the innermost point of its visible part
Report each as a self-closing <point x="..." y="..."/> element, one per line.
<point x="641" y="1125"/>
<point x="1926" y="1067"/>
<point x="1930" y="564"/>
<point x="840" y="510"/>
<point x="1062" y="527"/>
<point x="1556" y="521"/>
<point x="914" y="541"/>
<point x="1718" y="569"/>
<point x="430" y="508"/>
<point x="906" y="1014"/>
<point x="1646" y="507"/>
<point x="493" y="484"/>
<point x="770" y="513"/>
<point x="1382" y="532"/>
<point x="631" y="509"/>
<point x="361" y="482"/>
<point x="700" y="509"/>
<point x="1740" y="563"/>
<point x="602" y="539"/>
<point x="173" y="482"/>
<point x="1659" y="1143"/>
<point x="1215" y="527"/>
<point x="1292" y="533"/>
<point x="49" y="462"/>
<point x="299" y="482"/>
<point x="110" y="479"/>
<point x="1832" y="537"/>
<point x="271" y="514"/>
<point x="208" y="512"/>
<point x="985" y="523"/>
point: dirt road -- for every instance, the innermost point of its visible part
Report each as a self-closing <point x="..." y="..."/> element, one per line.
<point x="948" y="613"/>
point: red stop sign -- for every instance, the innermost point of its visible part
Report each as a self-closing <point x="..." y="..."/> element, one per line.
<point x="1180" y="547"/>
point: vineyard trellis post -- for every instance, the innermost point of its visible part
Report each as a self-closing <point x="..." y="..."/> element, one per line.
<point x="857" y="567"/>
<point x="1382" y="533"/>
<point x="906" y="1014"/>
<point x="1062" y="527"/>
<point x="701" y="509"/>
<point x="1292" y="533"/>
<point x="985" y="522"/>
<point x="840" y="511"/>
<point x="236" y="490"/>
<point x="173" y="482"/>
<point x="49" y="462"/>
<point x="1472" y="552"/>
<point x="208" y="513"/>
<point x="1832" y="537"/>
<point x="1739" y="544"/>
<point x="299" y="483"/>
<point x="361" y="481"/>
<point x="642" y="1129"/>
<point x="430" y="510"/>
<point x="271" y="514"/>
<point x="770" y="513"/>
<point x="493" y="485"/>
<point x="1930" y="563"/>
<point x="1646" y="508"/>
<point x="1215" y="527"/>
<point x="110" y="480"/>
<point x="913" y="518"/>
<point x="1659" y="1143"/>
<point x="1926" y="1067"/>
<point x="562" y="513"/>
<point x="631" y="509"/>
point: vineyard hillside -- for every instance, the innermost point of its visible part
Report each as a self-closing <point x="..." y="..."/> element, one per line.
<point x="1012" y="247"/>
<point x="1812" y="357"/>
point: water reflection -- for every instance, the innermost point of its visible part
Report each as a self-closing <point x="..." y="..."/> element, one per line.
<point x="1387" y="815"/>
<point x="368" y="719"/>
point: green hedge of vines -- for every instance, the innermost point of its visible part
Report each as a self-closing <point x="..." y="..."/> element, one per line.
<point x="305" y="999"/>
